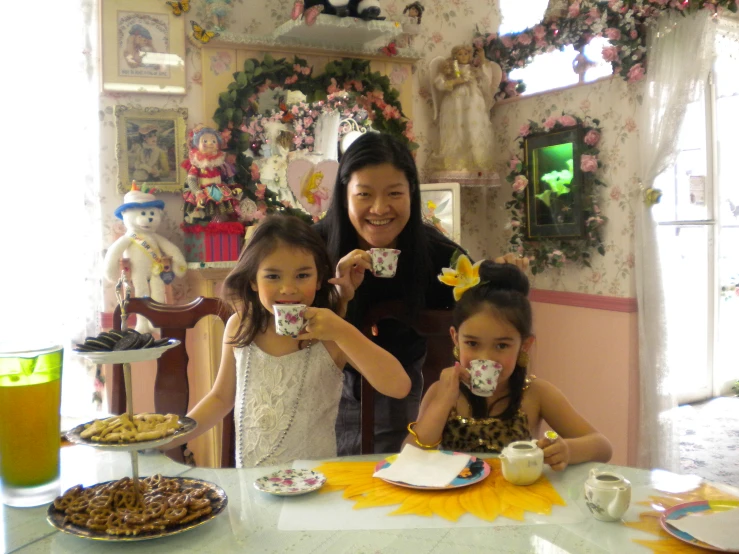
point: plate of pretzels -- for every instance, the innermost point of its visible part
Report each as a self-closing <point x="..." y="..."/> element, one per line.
<point x="112" y="511"/>
<point x="122" y="433"/>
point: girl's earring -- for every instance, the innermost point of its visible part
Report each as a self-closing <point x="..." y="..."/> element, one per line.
<point x="455" y="352"/>
<point x="523" y="359"/>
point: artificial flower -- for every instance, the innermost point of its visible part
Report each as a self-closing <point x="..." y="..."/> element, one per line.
<point x="463" y="277"/>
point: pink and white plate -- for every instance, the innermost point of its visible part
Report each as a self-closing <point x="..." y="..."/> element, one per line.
<point x="290" y="482"/>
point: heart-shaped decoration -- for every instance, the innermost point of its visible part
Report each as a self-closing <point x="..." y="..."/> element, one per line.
<point x="313" y="184"/>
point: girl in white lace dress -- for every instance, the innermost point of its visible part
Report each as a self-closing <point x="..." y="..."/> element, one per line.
<point x="286" y="391"/>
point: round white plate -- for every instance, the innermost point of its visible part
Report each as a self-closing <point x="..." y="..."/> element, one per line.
<point x="73" y="435"/>
<point x="128" y="356"/>
<point x="290" y="482"/>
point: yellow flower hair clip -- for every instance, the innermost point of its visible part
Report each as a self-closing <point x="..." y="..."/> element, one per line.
<point x="463" y="277"/>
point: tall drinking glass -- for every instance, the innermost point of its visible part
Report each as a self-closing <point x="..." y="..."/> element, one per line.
<point x="30" y="395"/>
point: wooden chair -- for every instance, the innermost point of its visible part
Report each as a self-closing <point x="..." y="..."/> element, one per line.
<point x="171" y="389"/>
<point x="431" y="324"/>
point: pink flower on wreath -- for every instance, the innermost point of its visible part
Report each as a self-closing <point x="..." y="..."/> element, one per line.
<point x="515" y="224"/>
<point x="308" y="121"/>
<point x="297" y="68"/>
<point x="506" y="41"/>
<point x="613" y="33"/>
<point x="332" y="88"/>
<point x="574" y="10"/>
<point x="539" y="32"/>
<point x="550" y="122"/>
<point x="391" y="112"/>
<point x="592" y="137"/>
<point x="567" y="121"/>
<point x="261" y="189"/>
<point x="588" y="163"/>
<point x="309" y="140"/>
<point x="636" y="73"/>
<point x="290" y="80"/>
<point x="633" y="34"/>
<point x="493" y="36"/>
<point x="524" y="38"/>
<point x="513" y="164"/>
<point x="610" y="53"/>
<point x="524" y="130"/>
<point x="306" y="70"/>
<point x="254" y="172"/>
<point x="520" y="183"/>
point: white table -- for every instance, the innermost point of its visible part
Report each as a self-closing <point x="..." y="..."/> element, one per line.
<point x="250" y="522"/>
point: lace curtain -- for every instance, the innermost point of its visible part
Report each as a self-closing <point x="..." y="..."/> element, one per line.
<point x="51" y="229"/>
<point x="680" y="54"/>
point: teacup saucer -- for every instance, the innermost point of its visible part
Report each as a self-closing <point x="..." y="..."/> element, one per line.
<point x="290" y="482"/>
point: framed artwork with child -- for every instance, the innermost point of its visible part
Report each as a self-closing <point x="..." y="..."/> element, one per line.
<point x="143" y="47"/>
<point x="151" y="147"/>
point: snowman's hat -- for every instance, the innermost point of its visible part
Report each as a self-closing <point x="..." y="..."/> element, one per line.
<point x="137" y="199"/>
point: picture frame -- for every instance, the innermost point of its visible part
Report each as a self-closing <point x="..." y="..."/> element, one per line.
<point x="154" y="164"/>
<point x="143" y="47"/>
<point x="440" y="207"/>
<point x="554" y="197"/>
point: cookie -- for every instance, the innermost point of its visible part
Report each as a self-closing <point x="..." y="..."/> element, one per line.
<point x="107" y="339"/>
<point x="147" y="340"/>
<point x="128" y="342"/>
<point x="100" y="345"/>
<point x="160" y="342"/>
<point x="84" y="348"/>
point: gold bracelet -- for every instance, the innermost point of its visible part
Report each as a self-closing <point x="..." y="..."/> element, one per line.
<point x="415" y="437"/>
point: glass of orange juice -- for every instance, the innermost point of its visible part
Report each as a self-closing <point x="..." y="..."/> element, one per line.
<point x="30" y="396"/>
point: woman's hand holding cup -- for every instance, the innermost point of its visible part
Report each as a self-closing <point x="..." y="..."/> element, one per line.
<point x="350" y="273"/>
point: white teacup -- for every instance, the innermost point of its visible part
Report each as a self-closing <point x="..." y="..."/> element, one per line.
<point x="289" y="319"/>
<point x="484" y="377"/>
<point x="384" y="261"/>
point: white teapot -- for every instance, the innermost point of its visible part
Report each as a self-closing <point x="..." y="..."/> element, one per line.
<point x="522" y="462"/>
<point x="607" y="495"/>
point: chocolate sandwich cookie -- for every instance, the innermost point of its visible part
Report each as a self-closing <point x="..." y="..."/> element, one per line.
<point x="99" y="344"/>
<point x="160" y="342"/>
<point x="108" y="339"/>
<point x="116" y="335"/>
<point x="146" y="340"/>
<point x="85" y="348"/>
<point x="128" y="342"/>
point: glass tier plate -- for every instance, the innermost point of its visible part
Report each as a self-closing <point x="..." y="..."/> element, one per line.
<point x="128" y="356"/>
<point x="73" y="435"/>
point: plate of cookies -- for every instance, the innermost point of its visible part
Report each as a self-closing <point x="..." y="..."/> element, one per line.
<point x="121" y="433"/>
<point x="121" y="347"/>
<point x="112" y="511"/>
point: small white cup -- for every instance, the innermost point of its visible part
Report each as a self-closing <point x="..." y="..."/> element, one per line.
<point x="484" y="377"/>
<point x="384" y="261"/>
<point x="289" y="319"/>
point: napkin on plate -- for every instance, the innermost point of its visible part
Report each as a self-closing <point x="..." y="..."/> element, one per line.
<point x="424" y="468"/>
<point x="715" y="528"/>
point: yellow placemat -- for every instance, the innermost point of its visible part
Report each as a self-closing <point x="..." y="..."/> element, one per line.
<point x="487" y="500"/>
<point x="649" y="520"/>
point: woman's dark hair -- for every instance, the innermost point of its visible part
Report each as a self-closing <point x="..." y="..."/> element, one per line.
<point x="274" y="231"/>
<point x="504" y="289"/>
<point x="415" y="268"/>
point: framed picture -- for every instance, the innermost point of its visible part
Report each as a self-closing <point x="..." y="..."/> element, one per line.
<point x="143" y="47"/>
<point x="440" y="208"/>
<point x="151" y="147"/>
<point x="554" y="206"/>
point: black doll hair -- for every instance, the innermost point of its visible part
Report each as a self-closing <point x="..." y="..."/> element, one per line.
<point x="274" y="231"/>
<point x="419" y="8"/>
<point x="504" y="289"/>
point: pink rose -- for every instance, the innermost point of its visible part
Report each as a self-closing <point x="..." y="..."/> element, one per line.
<point x="292" y="79"/>
<point x="513" y="164"/>
<point x="515" y="224"/>
<point x="612" y="33"/>
<point x="506" y="41"/>
<point x="633" y="34"/>
<point x="539" y="32"/>
<point x="255" y="172"/>
<point x="524" y="38"/>
<point x="610" y="53"/>
<point x="520" y="183"/>
<point x="550" y="122"/>
<point x="592" y="138"/>
<point x="526" y="128"/>
<point x="588" y="163"/>
<point x="636" y="73"/>
<point x="616" y="193"/>
<point x="574" y="10"/>
<point x="567" y="121"/>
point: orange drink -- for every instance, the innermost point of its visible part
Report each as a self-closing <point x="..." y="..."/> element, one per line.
<point x="30" y="394"/>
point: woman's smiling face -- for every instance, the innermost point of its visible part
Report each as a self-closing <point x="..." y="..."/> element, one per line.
<point x="379" y="204"/>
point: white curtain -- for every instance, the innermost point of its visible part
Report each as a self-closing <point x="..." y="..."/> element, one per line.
<point x="680" y="53"/>
<point x="50" y="222"/>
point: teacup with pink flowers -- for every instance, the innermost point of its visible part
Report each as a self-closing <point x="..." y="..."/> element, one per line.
<point x="384" y="261"/>
<point x="289" y="319"/>
<point x="484" y="376"/>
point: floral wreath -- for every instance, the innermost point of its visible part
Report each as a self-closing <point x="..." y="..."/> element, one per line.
<point x="238" y="106"/>
<point x="623" y="22"/>
<point x="555" y="253"/>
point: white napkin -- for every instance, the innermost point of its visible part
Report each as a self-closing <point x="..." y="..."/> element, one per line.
<point x="424" y="468"/>
<point x="715" y="528"/>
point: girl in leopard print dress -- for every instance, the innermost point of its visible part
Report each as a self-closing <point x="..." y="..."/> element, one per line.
<point x="492" y="321"/>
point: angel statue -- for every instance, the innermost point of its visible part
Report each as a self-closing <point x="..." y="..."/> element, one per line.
<point x="463" y="89"/>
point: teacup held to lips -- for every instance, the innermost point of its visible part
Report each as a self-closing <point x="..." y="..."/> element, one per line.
<point x="289" y="319"/>
<point x="484" y="377"/>
<point x="384" y="261"/>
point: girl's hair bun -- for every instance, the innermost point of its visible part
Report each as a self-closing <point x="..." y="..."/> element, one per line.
<point x="504" y="277"/>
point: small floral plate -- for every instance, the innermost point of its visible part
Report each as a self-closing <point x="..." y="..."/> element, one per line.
<point x="291" y="482"/>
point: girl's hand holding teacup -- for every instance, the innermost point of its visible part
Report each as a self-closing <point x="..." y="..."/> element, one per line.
<point x="322" y="324"/>
<point x="350" y="273"/>
<point x="556" y="451"/>
<point x="448" y="387"/>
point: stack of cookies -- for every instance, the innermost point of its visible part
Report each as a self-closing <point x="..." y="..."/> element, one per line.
<point x="110" y="341"/>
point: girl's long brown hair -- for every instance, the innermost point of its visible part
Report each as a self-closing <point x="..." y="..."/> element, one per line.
<point x="274" y="232"/>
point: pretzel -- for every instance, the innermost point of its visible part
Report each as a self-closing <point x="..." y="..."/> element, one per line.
<point x="121" y="429"/>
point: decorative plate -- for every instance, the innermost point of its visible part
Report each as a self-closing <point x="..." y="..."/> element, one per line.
<point x="73" y="435"/>
<point x="290" y="482"/>
<point x="218" y="502"/>
<point x="681" y="510"/>
<point x="475" y="471"/>
<point x="128" y="356"/>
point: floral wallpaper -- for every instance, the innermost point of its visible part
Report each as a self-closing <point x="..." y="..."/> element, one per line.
<point x="445" y="23"/>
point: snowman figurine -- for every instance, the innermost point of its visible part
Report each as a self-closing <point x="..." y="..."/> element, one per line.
<point x="149" y="253"/>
